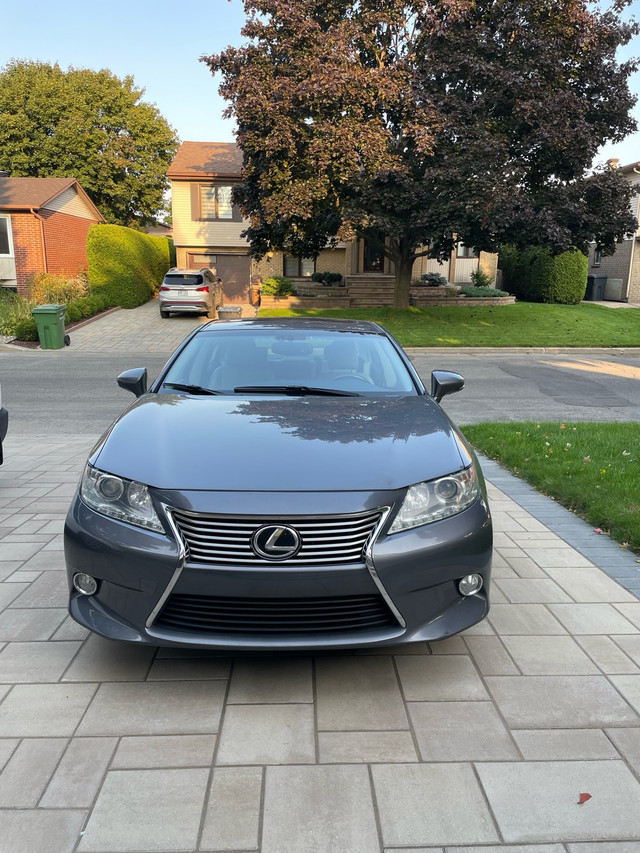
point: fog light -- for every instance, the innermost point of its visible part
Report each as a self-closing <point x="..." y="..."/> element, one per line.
<point x="85" y="584"/>
<point x="470" y="584"/>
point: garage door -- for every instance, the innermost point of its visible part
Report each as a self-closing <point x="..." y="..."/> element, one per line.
<point x="235" y="272"/>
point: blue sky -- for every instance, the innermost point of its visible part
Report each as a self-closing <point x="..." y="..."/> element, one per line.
<point x="159" y="43"/>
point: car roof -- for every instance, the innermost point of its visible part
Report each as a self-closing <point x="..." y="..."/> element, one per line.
<point x="300" y="324"/>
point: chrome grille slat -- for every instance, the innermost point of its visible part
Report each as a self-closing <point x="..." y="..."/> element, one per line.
<point x="326" y="540"/>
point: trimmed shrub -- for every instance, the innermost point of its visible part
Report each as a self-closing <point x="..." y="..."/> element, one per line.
<point x="483" y="292"/>
<point x="537" y="275"/>
<point x="327" y="278"/>
<point x="277" y="285"/>
<point x="126" y="266"/>
<point x="431" y="279"/>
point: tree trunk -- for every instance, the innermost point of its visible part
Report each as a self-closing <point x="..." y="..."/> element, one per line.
<point x="404" y="269"/>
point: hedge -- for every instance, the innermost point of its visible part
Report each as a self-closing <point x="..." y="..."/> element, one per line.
<point x="537" y="275"/>
<point x="125" y="266"/>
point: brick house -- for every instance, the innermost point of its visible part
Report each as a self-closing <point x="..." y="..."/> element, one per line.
<point x="43" y="228"/>
<point x="207" y="229"/>
<point x="623" y="267"/>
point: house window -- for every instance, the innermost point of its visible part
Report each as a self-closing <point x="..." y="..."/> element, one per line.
<point x="466" y="251"/>
<point x="199" y="260"/>
<point x="216" y="203"/>
<point x="299" y="267"/>
<point x="597" y="257"/>
<point x="6" y="240"/>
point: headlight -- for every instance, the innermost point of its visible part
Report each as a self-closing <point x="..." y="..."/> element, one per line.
<point x="427" y="502"/>
<point x="118" y="498"/>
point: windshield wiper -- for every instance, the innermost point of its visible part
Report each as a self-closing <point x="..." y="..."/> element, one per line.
<point x="293" y="390"/>
<point x="190" y="389"/>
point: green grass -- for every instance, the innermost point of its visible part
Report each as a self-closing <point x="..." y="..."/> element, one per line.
<point x="524" y="324"/>
<point x="591" y="468"/>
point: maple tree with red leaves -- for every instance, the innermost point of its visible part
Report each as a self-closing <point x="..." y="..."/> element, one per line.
<point x="416" y="124"/>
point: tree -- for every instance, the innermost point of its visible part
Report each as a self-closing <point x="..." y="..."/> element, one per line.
<point x="415" y="124"/>
<point x="88" y="125"/>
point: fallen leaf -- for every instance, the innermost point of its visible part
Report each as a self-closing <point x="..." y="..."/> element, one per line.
<point x="583" y="799"/>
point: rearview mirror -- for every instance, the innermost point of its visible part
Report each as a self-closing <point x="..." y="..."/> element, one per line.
<point x="134" y="380"/>
<point x="444" y="382"/>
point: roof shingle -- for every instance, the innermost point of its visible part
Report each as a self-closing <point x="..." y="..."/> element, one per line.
<point x="25" y="193"/>
<point x="207" y="160"/>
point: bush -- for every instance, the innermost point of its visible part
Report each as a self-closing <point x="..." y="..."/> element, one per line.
<point x="46" y="289"/>
<point x="277" y="285"/>
<point x="126" y="266"/>
<point x="483" y="292"/>
<point x="25" y="329"/>
<point x="479" y="278"/>
<point x="327" y="278"/>
<point x="431" y="279"/>
<point x="537" y="275"/>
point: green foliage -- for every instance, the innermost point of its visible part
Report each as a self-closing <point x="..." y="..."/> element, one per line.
<point x="172" y="253"/>
<point x="89" y="125"/>
<point x="479" y="278"/>
<point x="361" y="118"/>
<point x="126" y="267"/>
<point x="591" y="468"/>
<point x="277" y="285"/>
<point x="47" y="288"/>
<point x="14" y="311"/>
<point x="483" y="292"/>
<point x="537" y="275"/>
<point x="25" y="330"/>
<point x="431" y="279"/>
<point x="327" y="278"/>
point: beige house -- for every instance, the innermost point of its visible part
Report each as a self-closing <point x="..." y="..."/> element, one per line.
<point x="623" y="267"/>
<point x="207" y="231"/>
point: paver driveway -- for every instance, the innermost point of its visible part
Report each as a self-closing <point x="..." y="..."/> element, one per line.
<point x="487" y="739"/>
<point x="484" y="742"/>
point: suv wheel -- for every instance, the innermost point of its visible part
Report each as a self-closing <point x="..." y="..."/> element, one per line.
<point x="164" y="314"/>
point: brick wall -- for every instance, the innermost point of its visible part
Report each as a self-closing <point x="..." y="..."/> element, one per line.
<point x="27" y="246"/>
<point x="66" y="242"/>
<point x="65" y="239"/>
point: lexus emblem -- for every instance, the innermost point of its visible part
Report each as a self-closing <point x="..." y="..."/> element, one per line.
<point x="276" y="542"/>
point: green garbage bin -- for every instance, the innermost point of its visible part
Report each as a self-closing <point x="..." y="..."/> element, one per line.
<point x="50" y="322"/>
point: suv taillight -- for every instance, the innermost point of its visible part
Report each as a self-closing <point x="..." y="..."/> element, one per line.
<point x="206" y="289"/>
<point x="164" y="288"/>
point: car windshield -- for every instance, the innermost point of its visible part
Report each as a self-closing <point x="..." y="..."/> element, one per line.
<point x="291" y="361"/>
<point x="183" y="279"/>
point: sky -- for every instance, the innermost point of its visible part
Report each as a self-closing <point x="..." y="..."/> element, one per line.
<point x="159" y="43"/>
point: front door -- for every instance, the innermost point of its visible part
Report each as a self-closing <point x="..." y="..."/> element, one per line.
<point x="373" y="258"/>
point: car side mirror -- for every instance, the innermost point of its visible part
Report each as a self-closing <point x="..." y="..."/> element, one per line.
<point x="134" y="380"/>
<point x="444" y="382"/>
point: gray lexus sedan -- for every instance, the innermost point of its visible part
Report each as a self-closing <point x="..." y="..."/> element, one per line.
<point x="284" y="484"/>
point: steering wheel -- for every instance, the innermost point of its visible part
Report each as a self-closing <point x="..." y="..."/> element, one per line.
<point x="352" y="377"/>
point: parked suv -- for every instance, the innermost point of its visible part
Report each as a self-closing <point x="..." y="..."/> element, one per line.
<point x="193" y="291"/>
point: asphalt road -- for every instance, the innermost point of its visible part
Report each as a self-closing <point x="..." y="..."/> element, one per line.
<point x="65" y="392"/>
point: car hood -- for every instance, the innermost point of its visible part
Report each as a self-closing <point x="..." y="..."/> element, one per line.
<point x="277" y="443"/>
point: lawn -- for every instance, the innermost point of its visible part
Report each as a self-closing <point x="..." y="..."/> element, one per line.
<point x="524" y="324"/>
<point x="591" y="468"/>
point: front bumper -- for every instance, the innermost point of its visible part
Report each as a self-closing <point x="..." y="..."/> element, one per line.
<point x="149" y="592"/>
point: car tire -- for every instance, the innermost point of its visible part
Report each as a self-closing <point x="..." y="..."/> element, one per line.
<point x="164" y="314"/>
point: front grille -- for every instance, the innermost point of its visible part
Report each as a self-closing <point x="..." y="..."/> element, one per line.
<point x="327" y="540"/>
<point x="207" y="614"/>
